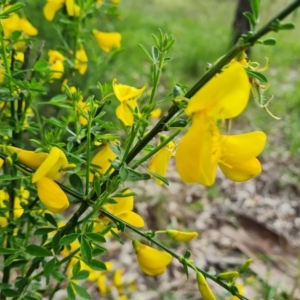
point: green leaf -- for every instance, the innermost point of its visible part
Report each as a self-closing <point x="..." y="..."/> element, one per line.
<point x="286" y="26"/>
<point x="59" y="98"/>
<point x="58" y="276"/>
<point x="14" y="8"/>
<point x="269" y="42"/>
<point x="55" y="242"/>
<point x="10" y="293"/>
<point x="69" y="239"/>
<point x="251" y="19"/>
<point x="123" y="172"/>
<point x="76" y="268"/>
<point x="17" y="263"/>
<point x="42" y="231"/>
<point x="136" y="176"/>
<point x="155" y="54"/>
<point x="163" y="179"/>
<point x="98" y="251"/>
<point x="70" y="292"/>
<point x="255" y="8"/>
<point x="50" y="219"/>
<point x="7" y="250"/>
<point x="117" y="237"/>
<point x="81" y="275"/>
<point x="81" y="292"/>
<point x="50" y="266"/>
<point x="76" y="182"/>
<point x="97" y="187"/>
<point x="96" y="265"/>
<point x="41" y="66"/>
<point x="95" y="237"/>
<point x="55" y="122"/>
<point x="262" y="78"/>
<point x="10" y="259"/>
<point x="145" y="51"/>
<point x="38" y="251"/>
<point x="86" y="250"/>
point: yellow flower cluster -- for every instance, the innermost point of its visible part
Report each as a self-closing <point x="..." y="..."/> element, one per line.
<point x="49" y="167"/>
<point x="203" y="148"/>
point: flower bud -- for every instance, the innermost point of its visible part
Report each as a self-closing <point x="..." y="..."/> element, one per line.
<point x="245" y="265"/>
<point x="68" y="167"/>
<point x="204" y="288"/>
<point x="228" y="276"/>
<point x="9" y="161"/>
<point x="181" y="236"/>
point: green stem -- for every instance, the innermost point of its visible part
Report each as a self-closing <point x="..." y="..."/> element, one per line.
<point x="156" y="75"/>
<point x="88" y="150"/>
<point x="166" y="249"/>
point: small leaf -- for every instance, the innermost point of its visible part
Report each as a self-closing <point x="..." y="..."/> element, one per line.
<point x="117" y="237"/>
<point x="262" y="78"/>
<point x="95" y="237"/>
<point x="50" y="266"/>
<point x="81" y="275"/>
<point x="251" y="19"/>
<point x="17" y="263"/>
<point x="38" y="251"/>
<point x="269" y="42"/>
<point x="81" y="292"/>
<point x="59" y="98"/>
<point x="50" y="219"/>
<point x="86" y="250"/>
<point x="10" y="293"/>
<point x="7" y="250"/>
<point x="14" y="8"/>
<point x="155" y="54"/>
<point x="163" y="179"/>
<point x="96" y="265"/>
<point x="76" y="182"/>
<point x="41" y="66"/>
<point x="98" y="251"/>
<point x="76" y="268"/>
<point x="145" y="51"/>
<point x="70" y="292"/>
<point x="286" y="26"/>
<point x="69" y="239"/>
<point x="255" y="8"/>
<point x="123" y="172"/>
<point x="136" y="176"/>
<point x="42" y="231"/>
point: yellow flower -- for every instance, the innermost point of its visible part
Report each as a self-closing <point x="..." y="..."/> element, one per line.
<point x="81" y="62"/>
<point x="181" y="236"/>
<point x="128" y="96"/>
<point x="52" y="195"/>
<point x="160" y="160"/>
<point x="107" y="40"/>
<point x="118" y="281"/>
<point x="152" y="261"/>
<point x="52" y="6"/>
<point x="204" y="288"/>
<point x="203" y="147"/>
<point x="121" y="209"/>
<point x="1" y="162"/>
<point x="51" y="166"/>
<point x="102" y="159"/>
<point x="56" y="60"/>
<point x="21" y="196"/>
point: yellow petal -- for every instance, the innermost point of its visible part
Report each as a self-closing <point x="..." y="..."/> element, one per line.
<point x="107" y="40"/>
<point x="152" y="261"/>
<point x="242" y="147"/>
<point x="159" y="162"/>
<point x="102" y="158"/>
<point x="58" y="69"/>
<point x="51" y="166"/>
<point x="102" y="285"/>
<point x="131" y="218"/>
<point x="19" y="56"/>
<point x="1" y="162"/>
<point x="54" y="56"/>
<point x="27" y="27"/>
<point x="125" y="92"/>
<point x="73" y="9"/>
<point x="28" y="158"/>
<point x="52" y="195"/>
<point x="242" y="170"/>
<point x="123" y="204"/>
<point x="225" y="96"/>
<point x="81" y="61"/>
<point x="199" y="151"/>
<point x="23" y="196"/>
<point x="204" y="288"/>
<point x="181" y="236"/>
<point x="51" y="7"/>
<point x="124" y="114"/>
